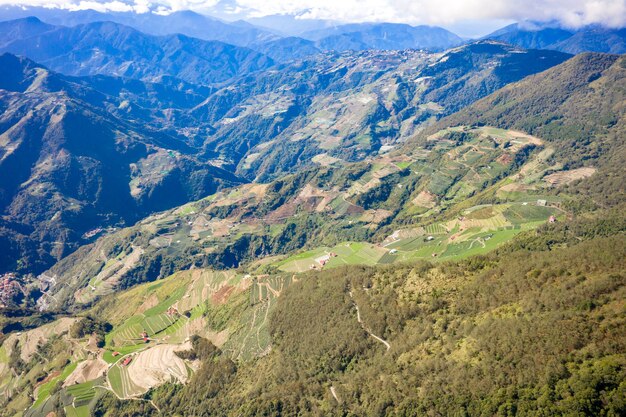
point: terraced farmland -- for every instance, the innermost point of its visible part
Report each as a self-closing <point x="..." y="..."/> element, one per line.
<point x="121" y="384"/>
<point x="82" y="393"/>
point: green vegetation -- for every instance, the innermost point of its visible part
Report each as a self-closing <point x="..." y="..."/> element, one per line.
<point x="456" y="332"/>
<point x="43" y="393"/>
<point x="479" y="272"/>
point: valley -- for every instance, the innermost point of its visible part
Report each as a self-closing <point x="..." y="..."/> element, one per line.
<point x="202" y="217"/>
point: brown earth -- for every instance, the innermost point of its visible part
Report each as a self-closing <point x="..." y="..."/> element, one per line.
<point x="86" y="371"/>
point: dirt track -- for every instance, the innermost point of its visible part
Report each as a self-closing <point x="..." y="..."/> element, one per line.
<point x="358" y="317"/>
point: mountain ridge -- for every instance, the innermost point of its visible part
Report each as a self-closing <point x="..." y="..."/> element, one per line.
<point x="112" y="49"/>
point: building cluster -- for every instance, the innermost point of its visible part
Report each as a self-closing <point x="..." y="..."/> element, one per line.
<point x="323" y="260"/>
<point x="9" y="288"/>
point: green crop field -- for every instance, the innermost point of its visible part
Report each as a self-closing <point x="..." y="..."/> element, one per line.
<point x="120" y="382"/>
<point x="82" y="393"/>
<point x="123" y="350"/>
<point x="435" y="229"/>
<point x="44" y="390"/>
<point x="71" y="411"/>
<point x="519" y="214"/>
<point x="489" y="227"/>
<point x="349" y="253"/>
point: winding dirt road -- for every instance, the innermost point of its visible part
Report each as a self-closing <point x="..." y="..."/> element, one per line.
<point x="358" y="317"/>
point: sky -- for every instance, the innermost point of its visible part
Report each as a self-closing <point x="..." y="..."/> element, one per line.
<point x="466" y="15"/>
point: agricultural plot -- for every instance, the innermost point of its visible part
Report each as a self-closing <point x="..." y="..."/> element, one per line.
<point x="120" y="382"/>
<point x="343" y="254"/>
<point x="481" y="229"/>
<point x="106" y="280"/>
<point x="43" y="392"/>
<point x="71" y="411"/>
<point x="123" y="350"/>
<point x="519" y="214"/>
<point x="473" y="156"/>
<point x="165" y="320"/>
<point x="82" y="393"/>
<point x="435" y="229"/>
<point x="251" y="338"/>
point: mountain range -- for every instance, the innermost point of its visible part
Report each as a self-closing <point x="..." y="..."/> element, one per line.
<point x="381" y="195"/>
<point x="285" y="37"/>
<point x="113" y="49"/>
<point x="573" y="41"/>
<point x="211" y="218"/>
<point x="338" y="38"/>
<point x="383" y="36"/>
<point x="164" y="131"/>
<point x="185" y="22"/>
<point x="501" y="219"/>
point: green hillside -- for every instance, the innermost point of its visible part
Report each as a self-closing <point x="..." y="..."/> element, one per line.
<point x="479" y="270"/>
<point x="529" y="330"/>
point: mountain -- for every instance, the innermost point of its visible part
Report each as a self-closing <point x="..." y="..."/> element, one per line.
<point x="462" y="186"/>
<point x="573" y="41"/>
<point x="184" y="22"/>
<point x="21" y="29"/>
<point x="398" y="285"/>
<point x="343" y="107"/>
<point x="287" y="49"/>
<point x="74" y="159"/>
<point x="594" y="39"/>
<point x="111" y="49"/>
<point x="385" y="36"/>
<point x="536" y="37"/>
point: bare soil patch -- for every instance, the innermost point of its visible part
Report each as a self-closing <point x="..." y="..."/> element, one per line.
<point x="86" y="371"/>
<point x="565" y="177"/>
<point x="158" y="365"/>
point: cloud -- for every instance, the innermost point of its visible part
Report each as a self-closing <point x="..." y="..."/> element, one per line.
<point x="570" y="12"/>
<point x="573" y="13"/>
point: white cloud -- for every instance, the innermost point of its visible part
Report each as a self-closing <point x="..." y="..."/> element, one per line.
<point x="570" y="12"/>
<point x="111" y="6"/>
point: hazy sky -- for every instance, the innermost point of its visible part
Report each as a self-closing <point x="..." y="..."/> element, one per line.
<point x="573" y="13"/>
